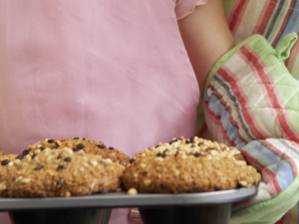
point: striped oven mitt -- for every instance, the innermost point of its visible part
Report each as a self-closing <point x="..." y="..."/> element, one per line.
<point x="251" y="101"/>
<point x="273" y="19"/>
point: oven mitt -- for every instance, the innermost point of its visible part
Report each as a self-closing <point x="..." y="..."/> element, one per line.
<point x="254" y="94"/>
<point x="251" y="102"/>
<point x="278" y="162"/>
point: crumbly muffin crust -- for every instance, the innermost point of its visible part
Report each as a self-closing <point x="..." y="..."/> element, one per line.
<point x="67" y="170"/>
<point x="87" y="145"/>
<point x="189" y="165"/>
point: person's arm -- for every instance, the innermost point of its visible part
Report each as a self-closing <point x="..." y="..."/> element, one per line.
<point x="206" y="36"/>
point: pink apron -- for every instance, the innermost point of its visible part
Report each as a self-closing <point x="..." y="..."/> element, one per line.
<point x="111" y="70"/>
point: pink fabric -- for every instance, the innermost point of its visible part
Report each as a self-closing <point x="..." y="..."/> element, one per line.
<point x="186" y="7"/>
<point x="106" y="70"/>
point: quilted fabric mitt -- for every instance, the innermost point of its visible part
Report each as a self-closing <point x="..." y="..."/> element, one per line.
<point x="251" y="101"/>
<point x="271" y="19"/>
<point x="251" y="95"/>
<point x="278" y="162"/>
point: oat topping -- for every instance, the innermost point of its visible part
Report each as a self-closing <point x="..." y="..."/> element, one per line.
<point x="50" y="168"/>
<point x="189" y="165"/>
<point x="132" y="191"/>
<point x="81" y="145"/>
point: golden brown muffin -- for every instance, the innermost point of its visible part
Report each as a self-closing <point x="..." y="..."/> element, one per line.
<point x="64" y="172"/>
<point x="185" y="165"/>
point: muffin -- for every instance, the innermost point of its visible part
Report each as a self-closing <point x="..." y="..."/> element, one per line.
<point x="188" y="166"/>
<point x="53" y="168"/>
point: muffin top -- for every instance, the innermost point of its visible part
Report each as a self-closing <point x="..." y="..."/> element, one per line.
<point x="189" y="165"/>
<point x="77" y="144"/>
<point x="70" y="167"/>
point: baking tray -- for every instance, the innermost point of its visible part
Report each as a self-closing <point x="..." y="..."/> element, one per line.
<point x="210" y="207"/>
<point x="122" y="200"/>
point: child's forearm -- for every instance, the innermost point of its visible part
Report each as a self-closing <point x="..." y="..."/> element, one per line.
<point x="206" y="36"/>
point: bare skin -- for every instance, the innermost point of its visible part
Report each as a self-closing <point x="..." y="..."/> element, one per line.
<point x="206" y="36"/>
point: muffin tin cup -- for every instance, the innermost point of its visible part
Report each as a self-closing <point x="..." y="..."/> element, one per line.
<point x="197" y="208"/>
<point x="173" y="215"/>
<point x="61" y="216"/>
<point x="215" y="214"/>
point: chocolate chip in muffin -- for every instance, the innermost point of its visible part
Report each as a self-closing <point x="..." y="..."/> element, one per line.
<point x="162" y="154"/>
<point x="21" y="157"/>
<point x="38" y="167"/>
<point x="67" y="159"/>
<point x="33" y="156"/>
<point x="55" y="145"/>
<point x="144" y="173"/>
<point x="131" y="160"/>
<point x="101" y="146"/>
<point x="79" y="147"/>
<point x="60" y="167"/>
<point x="198" y="154"/>
<point x="200" y="143"/>
<point x="76" y="138"/>
<point x="5" y="162"/>
<point x="173" y="141"/>
<point x="60" y="183"/>
<point x="26" y="152"/>
<point x="210" y="149"/>
<point x="51" y="141"/>
<point x="41" y="148"/>
<point x="111" y="148"/>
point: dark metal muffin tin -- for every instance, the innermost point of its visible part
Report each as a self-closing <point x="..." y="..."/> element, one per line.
<point x="195" y="208"/>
